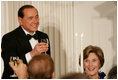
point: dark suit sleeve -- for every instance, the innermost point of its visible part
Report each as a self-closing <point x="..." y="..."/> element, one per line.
<point x="11" y="46"/>
<point x="8" y="49"/>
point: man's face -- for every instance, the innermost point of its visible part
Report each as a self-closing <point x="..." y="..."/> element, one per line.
<point x="30" y="21"/>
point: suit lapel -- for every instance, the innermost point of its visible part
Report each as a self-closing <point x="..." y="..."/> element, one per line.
<point x="22" y="39"/>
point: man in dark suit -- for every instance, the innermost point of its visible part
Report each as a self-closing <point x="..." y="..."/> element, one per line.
<point x="19" y="43"/>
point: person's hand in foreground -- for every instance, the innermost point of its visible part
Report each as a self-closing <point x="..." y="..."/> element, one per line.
<point x="20" y="70"/>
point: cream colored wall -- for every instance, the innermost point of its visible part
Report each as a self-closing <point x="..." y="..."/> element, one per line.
<point x="61" y="20"/>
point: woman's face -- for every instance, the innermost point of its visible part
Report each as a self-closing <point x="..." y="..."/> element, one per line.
<point x="92" y="64"/>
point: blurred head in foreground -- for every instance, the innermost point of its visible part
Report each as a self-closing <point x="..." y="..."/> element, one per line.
<point x="41" y="67"/>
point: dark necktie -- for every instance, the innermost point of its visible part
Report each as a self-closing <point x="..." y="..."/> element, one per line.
<point x="35" y="36"/>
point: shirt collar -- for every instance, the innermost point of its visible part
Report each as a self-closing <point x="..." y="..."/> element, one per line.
<point x="27" y="32"/>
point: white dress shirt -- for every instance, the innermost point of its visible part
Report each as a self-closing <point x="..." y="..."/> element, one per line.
<point x="33" y="42"/>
